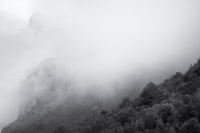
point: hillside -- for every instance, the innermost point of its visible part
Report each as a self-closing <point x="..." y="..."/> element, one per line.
<point x="170" y="107"/>
<point x="47" y="100"/>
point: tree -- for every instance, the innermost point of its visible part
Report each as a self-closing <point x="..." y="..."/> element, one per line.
<point x="150" y="118"/>
<point x="150" y="93"/>
<point x="166" y="111"/>
<point x="191" y="126"/>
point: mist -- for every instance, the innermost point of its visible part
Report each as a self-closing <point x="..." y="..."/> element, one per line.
<point x="96" y="42"/>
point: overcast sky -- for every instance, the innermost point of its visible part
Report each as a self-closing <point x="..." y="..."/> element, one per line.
<point x="100" y="38"/>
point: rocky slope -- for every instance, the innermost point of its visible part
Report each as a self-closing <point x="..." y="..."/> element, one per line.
<point x="50" y="98"/>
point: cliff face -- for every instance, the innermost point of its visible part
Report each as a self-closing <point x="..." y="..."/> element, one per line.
<point x="49" y="98"/>
<point x="40" y="88"/>
<point x="40" y="92"/>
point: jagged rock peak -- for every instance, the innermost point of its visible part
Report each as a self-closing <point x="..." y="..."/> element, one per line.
<point x="37" y="18"/>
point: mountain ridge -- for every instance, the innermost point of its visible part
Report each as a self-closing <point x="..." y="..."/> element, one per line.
<point x="145" y="113"/>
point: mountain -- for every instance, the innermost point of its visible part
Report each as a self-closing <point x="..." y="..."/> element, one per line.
<point x="170" y="107"/>
<point x="51" y="104"/>
<point x="49" y="97"/>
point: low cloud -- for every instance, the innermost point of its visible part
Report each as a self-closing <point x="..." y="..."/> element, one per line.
<point x="97" y="41"/>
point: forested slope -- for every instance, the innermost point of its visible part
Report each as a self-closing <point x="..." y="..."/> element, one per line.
<point x="170" y="107"/>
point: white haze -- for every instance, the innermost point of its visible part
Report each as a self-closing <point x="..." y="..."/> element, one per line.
<point x="98" y="41"/>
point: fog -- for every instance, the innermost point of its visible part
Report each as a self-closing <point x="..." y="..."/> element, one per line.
<point x="97" y="41"/>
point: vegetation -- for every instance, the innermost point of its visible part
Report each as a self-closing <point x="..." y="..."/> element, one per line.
<point x="170" y="107"/>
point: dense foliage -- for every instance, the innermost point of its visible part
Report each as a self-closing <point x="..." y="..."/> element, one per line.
<point x="170" y="107"/>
